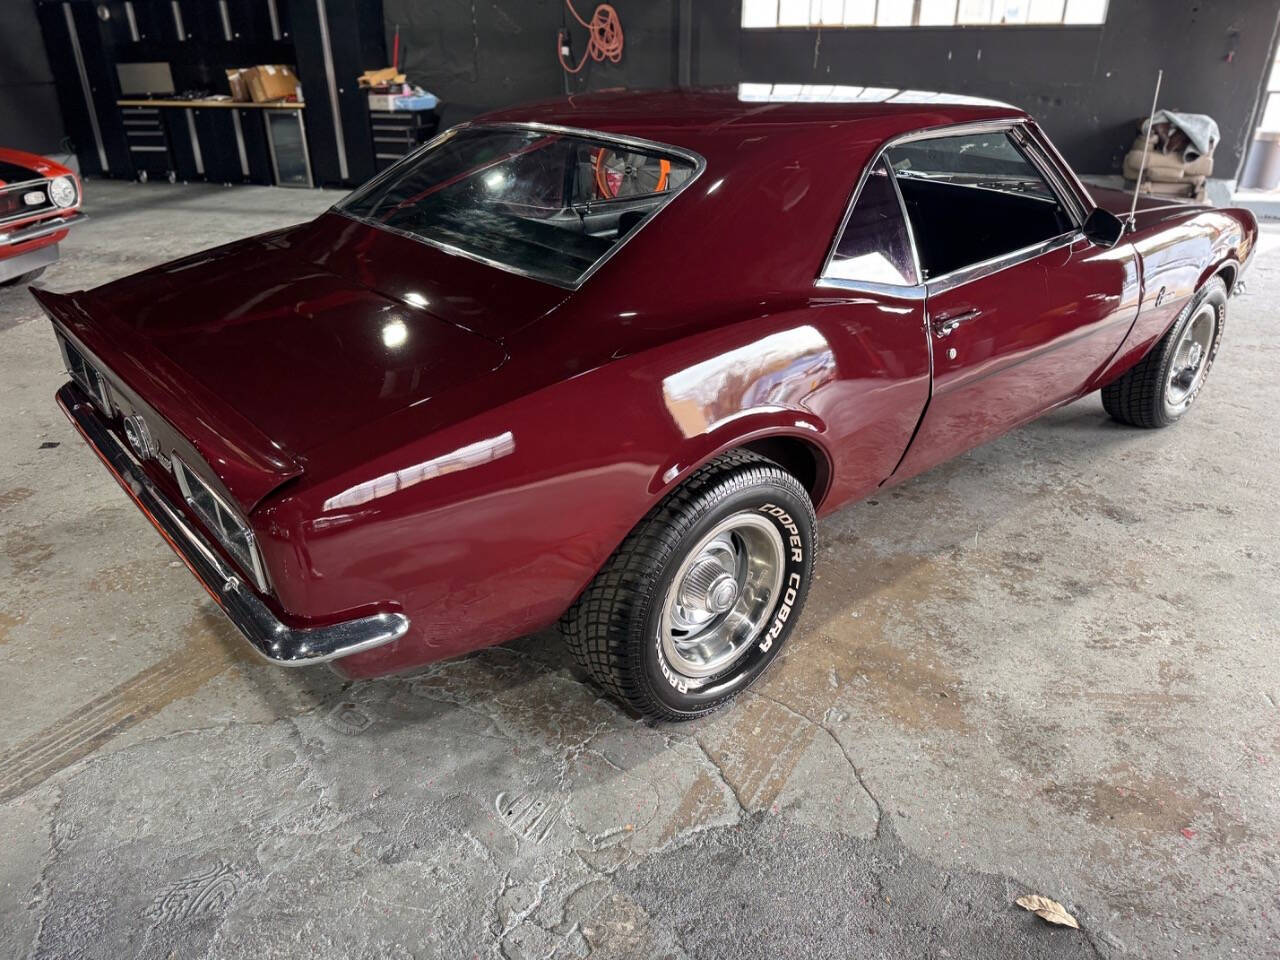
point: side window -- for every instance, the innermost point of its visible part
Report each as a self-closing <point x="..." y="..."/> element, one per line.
<point x="973" y="197"/>
<point x="875" y="246"/>
<point x="988" y="160"/>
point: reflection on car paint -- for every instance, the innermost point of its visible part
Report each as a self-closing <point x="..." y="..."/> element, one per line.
<point x="777" y="371"/>
<point x="464" y="458"/>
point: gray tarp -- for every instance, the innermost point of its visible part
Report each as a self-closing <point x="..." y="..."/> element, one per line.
<point x="1201" y="130"/>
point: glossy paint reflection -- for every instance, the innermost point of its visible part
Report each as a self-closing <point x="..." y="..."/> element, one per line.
<point x="464" y="458"/>
<point x="777" y="371"/>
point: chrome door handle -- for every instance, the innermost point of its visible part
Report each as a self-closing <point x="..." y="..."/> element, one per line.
<point x="944" y="326"/>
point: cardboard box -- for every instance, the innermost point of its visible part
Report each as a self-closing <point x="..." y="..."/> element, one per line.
<point x="239" y="84"/>
<point x="271" y="82"/>
<point x="378" y="78"/>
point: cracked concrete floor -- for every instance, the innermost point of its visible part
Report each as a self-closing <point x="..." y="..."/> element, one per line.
<point x="1049" y="666"/>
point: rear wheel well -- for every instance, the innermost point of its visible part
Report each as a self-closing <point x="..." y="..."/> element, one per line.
<point x="800" y="458"/>
<point x="1228" y="273"/>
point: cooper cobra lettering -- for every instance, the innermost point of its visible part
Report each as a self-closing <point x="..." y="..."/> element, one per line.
<point x="796" y="544"/>
<point x="784" y="519"/>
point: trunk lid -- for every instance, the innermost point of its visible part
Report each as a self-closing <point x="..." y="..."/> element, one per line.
<point x="262" y="350"/>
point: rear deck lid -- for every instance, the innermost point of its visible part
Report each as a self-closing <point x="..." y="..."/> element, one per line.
<point x="281" y="352"/>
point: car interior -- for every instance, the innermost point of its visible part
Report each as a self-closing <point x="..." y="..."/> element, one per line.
<point x="972" y="198"/>
<point x="548" y="205"/>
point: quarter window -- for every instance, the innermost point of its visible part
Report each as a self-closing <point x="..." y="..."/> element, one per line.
<point x="973" y="197"/>
<point x="875" y="246"/>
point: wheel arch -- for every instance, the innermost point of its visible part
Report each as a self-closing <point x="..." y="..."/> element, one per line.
<point x="1227" y="268"/>
<point x="795" y="440"/>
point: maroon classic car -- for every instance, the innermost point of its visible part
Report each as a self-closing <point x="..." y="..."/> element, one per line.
<point x="598" y="361"/>
<point x="39" y="203"/>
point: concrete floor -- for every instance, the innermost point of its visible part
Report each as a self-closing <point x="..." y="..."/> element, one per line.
<point x="1051" y="666"/>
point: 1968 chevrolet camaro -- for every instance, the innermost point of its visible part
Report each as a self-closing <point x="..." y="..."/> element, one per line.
<point x="598" y="361"/>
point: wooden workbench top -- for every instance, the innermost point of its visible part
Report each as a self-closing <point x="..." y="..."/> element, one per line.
<point x="202" y="104"/>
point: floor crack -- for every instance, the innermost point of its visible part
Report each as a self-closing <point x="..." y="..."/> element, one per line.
<point x="742" y="807"/>
<point x="857" y="773"/>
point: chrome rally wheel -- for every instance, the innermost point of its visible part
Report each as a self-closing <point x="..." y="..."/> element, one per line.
<point x="1191" y="356"/>
<point x="702" y="595"/>
<point x="721" y="596"/>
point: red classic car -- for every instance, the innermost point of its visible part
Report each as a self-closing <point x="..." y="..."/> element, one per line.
<point x="39" y="203"/>
<point x="598" y="361"/>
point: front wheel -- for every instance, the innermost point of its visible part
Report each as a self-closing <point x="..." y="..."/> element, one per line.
<point x="1164" y="384"/>
<point x="702" y="594"/>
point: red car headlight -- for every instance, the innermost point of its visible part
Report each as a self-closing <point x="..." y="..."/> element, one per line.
<point x="62" y="191"/>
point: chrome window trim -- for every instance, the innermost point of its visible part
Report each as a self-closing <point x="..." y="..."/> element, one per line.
<point x="1034" y="151"/>
<point x="873" y="286"/>
<point x="180" y="471"/>
<point x="962" y="275"/>
<point x="699" y="165"/>
<point x="914" y="292"/>
<point x="992" y="265"/>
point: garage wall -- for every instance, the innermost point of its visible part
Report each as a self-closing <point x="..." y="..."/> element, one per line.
<point x="478" y="56"/>
<point x="1087" y="85"/>
<point x="29" y="115"/>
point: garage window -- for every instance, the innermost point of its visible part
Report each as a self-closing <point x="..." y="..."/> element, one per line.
<point x="766" y="14"/>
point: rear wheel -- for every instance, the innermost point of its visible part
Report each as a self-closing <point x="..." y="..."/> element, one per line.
<point x="702" y="594"/>
<point x="1164" y="384"/>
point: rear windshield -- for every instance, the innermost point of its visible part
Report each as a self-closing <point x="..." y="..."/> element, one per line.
<point x="550" y="205"/>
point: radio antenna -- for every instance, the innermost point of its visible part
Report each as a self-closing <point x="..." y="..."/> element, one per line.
<point x="1146" y="145"/>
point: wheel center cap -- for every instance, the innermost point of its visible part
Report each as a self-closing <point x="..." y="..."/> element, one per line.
<point x="723" y="594"/>
<point x="1193" y="358"/>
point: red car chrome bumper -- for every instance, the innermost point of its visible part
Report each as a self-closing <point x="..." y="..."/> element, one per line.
<point x="273" y="639"/>
<point x="42" y="228"/>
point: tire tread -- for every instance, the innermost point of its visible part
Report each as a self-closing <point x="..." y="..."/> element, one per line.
<point x="1137" y="397"/>
<point x="600" y="627"/>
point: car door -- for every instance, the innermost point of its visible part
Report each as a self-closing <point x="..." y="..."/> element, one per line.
<point x="1022" y="309"/>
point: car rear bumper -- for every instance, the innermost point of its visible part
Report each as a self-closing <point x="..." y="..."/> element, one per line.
<point x="268" y="635"/>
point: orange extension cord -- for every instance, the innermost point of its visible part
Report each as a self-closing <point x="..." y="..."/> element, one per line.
<point x="605" y="40"/>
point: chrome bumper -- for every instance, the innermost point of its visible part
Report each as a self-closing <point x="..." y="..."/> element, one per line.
<point x="278" y="642"/>
<point x="42" y="229"/>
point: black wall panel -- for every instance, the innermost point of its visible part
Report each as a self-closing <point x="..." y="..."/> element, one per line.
<point x="100" y="72"/>
<point x="354" y="42"/>
<point x="256" y="149"/>
<point x="30" y="113"/>
<point x="217" y="135"/>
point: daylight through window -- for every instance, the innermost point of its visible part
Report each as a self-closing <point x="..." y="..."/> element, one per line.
<point x="769" y="14"/>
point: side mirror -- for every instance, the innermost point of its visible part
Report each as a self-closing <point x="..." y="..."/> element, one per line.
<point x="1103" y="228"/>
